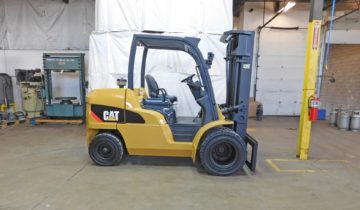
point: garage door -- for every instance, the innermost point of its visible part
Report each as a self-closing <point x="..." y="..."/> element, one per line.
<point x="280" y="72"/>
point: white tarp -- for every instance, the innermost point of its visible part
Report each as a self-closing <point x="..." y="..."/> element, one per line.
<point x="199" y="16"/>
<point x="47" y="25"/>
<point x="108" y="61"/>
<point x="117" y="20"/>
<point x="115" y="15"/>
<point x="2" y="25"/>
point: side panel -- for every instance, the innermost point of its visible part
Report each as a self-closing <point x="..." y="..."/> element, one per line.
<point x="151" y="137"/>
<point x="114" y="97"/>
<point x="203" y="130"/>
<point x="154" y="140"/>
<point x="104" y="109"/>
<point x="90" y="134"/>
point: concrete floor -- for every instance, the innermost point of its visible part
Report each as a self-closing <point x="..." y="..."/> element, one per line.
<point x="47" y="167"/>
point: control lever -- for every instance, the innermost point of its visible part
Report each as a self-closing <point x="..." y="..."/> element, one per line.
<point x="227" y="110"/>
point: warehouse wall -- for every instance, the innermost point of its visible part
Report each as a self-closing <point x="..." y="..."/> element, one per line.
<point x="344" y="62"/>
<point x="282" y="52"/>
<point x="347" y="29"/>
<point x="344" y="65"/>
<point x="30" y="28"/>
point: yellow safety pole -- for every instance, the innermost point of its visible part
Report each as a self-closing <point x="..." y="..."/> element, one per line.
<point x="311" y="65"/>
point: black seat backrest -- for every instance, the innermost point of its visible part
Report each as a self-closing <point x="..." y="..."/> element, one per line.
<point x="152" y="85"/>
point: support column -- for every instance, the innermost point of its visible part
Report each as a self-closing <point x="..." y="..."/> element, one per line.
<point x="311" y="65"/>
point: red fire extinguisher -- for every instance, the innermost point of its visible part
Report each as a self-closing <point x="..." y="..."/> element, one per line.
<point x="314" y="103"/>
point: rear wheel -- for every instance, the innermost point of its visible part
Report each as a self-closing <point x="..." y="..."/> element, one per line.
<point x="106" y="149"/>
<point x="222" y="152"/>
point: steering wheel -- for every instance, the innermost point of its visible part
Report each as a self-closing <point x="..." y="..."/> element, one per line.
<point x="189" y="78"/>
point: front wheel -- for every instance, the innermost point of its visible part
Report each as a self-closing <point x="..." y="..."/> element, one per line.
<point x="106" y="149"/>
<point x="222" y="152"/>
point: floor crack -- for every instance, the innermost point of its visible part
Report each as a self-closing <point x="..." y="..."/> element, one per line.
<point x="76" y="172"/>
<point x="59" y="187"/>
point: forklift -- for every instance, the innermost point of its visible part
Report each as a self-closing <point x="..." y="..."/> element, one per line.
<point x="135" y="121"/>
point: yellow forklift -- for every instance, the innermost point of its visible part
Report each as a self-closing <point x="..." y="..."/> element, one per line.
<point x="134" y="121"/>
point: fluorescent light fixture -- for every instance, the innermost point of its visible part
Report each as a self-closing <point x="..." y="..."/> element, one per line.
<point x="288" y="6"/>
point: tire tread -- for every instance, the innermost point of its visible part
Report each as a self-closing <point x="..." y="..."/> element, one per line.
<point x="208" y="138"/>
<point x="118" y="143"/>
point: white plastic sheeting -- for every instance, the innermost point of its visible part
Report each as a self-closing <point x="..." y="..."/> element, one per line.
<point x="112" y="50"/>
<point x="207" y="16"/>
<point x="48" y="25"/>
<point x="117" y="20"/>
<point x="108" y="61"/>
<point x="2" y="25"/>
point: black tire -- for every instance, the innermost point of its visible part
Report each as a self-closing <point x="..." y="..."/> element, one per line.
<point x="106" y="149"/>
<point x="222" y="152"/>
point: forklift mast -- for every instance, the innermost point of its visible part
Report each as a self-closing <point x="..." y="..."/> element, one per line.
<point x="239" y="56"/>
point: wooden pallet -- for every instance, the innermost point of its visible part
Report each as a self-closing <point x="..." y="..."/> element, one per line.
<point x="36" y="121"/>
<point x="4" y="124"/>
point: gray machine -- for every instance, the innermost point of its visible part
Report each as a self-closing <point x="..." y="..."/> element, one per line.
<point x="31" y="85"/>
<point x="8" y="111"/>
<point x="6" y="93"/>
<point x="65" y="107"/>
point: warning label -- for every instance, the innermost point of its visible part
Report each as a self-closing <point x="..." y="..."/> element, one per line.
<point x="316" y="35"/>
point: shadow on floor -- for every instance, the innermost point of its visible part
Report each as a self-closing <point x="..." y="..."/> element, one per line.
<point x="169" y="161"/>
<point x="157" y="161"/>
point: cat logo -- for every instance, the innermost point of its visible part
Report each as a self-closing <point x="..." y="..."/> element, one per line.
<point x="111" y="115"/>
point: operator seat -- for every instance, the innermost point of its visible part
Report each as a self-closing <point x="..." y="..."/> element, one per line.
<point x="155" y="91"/>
